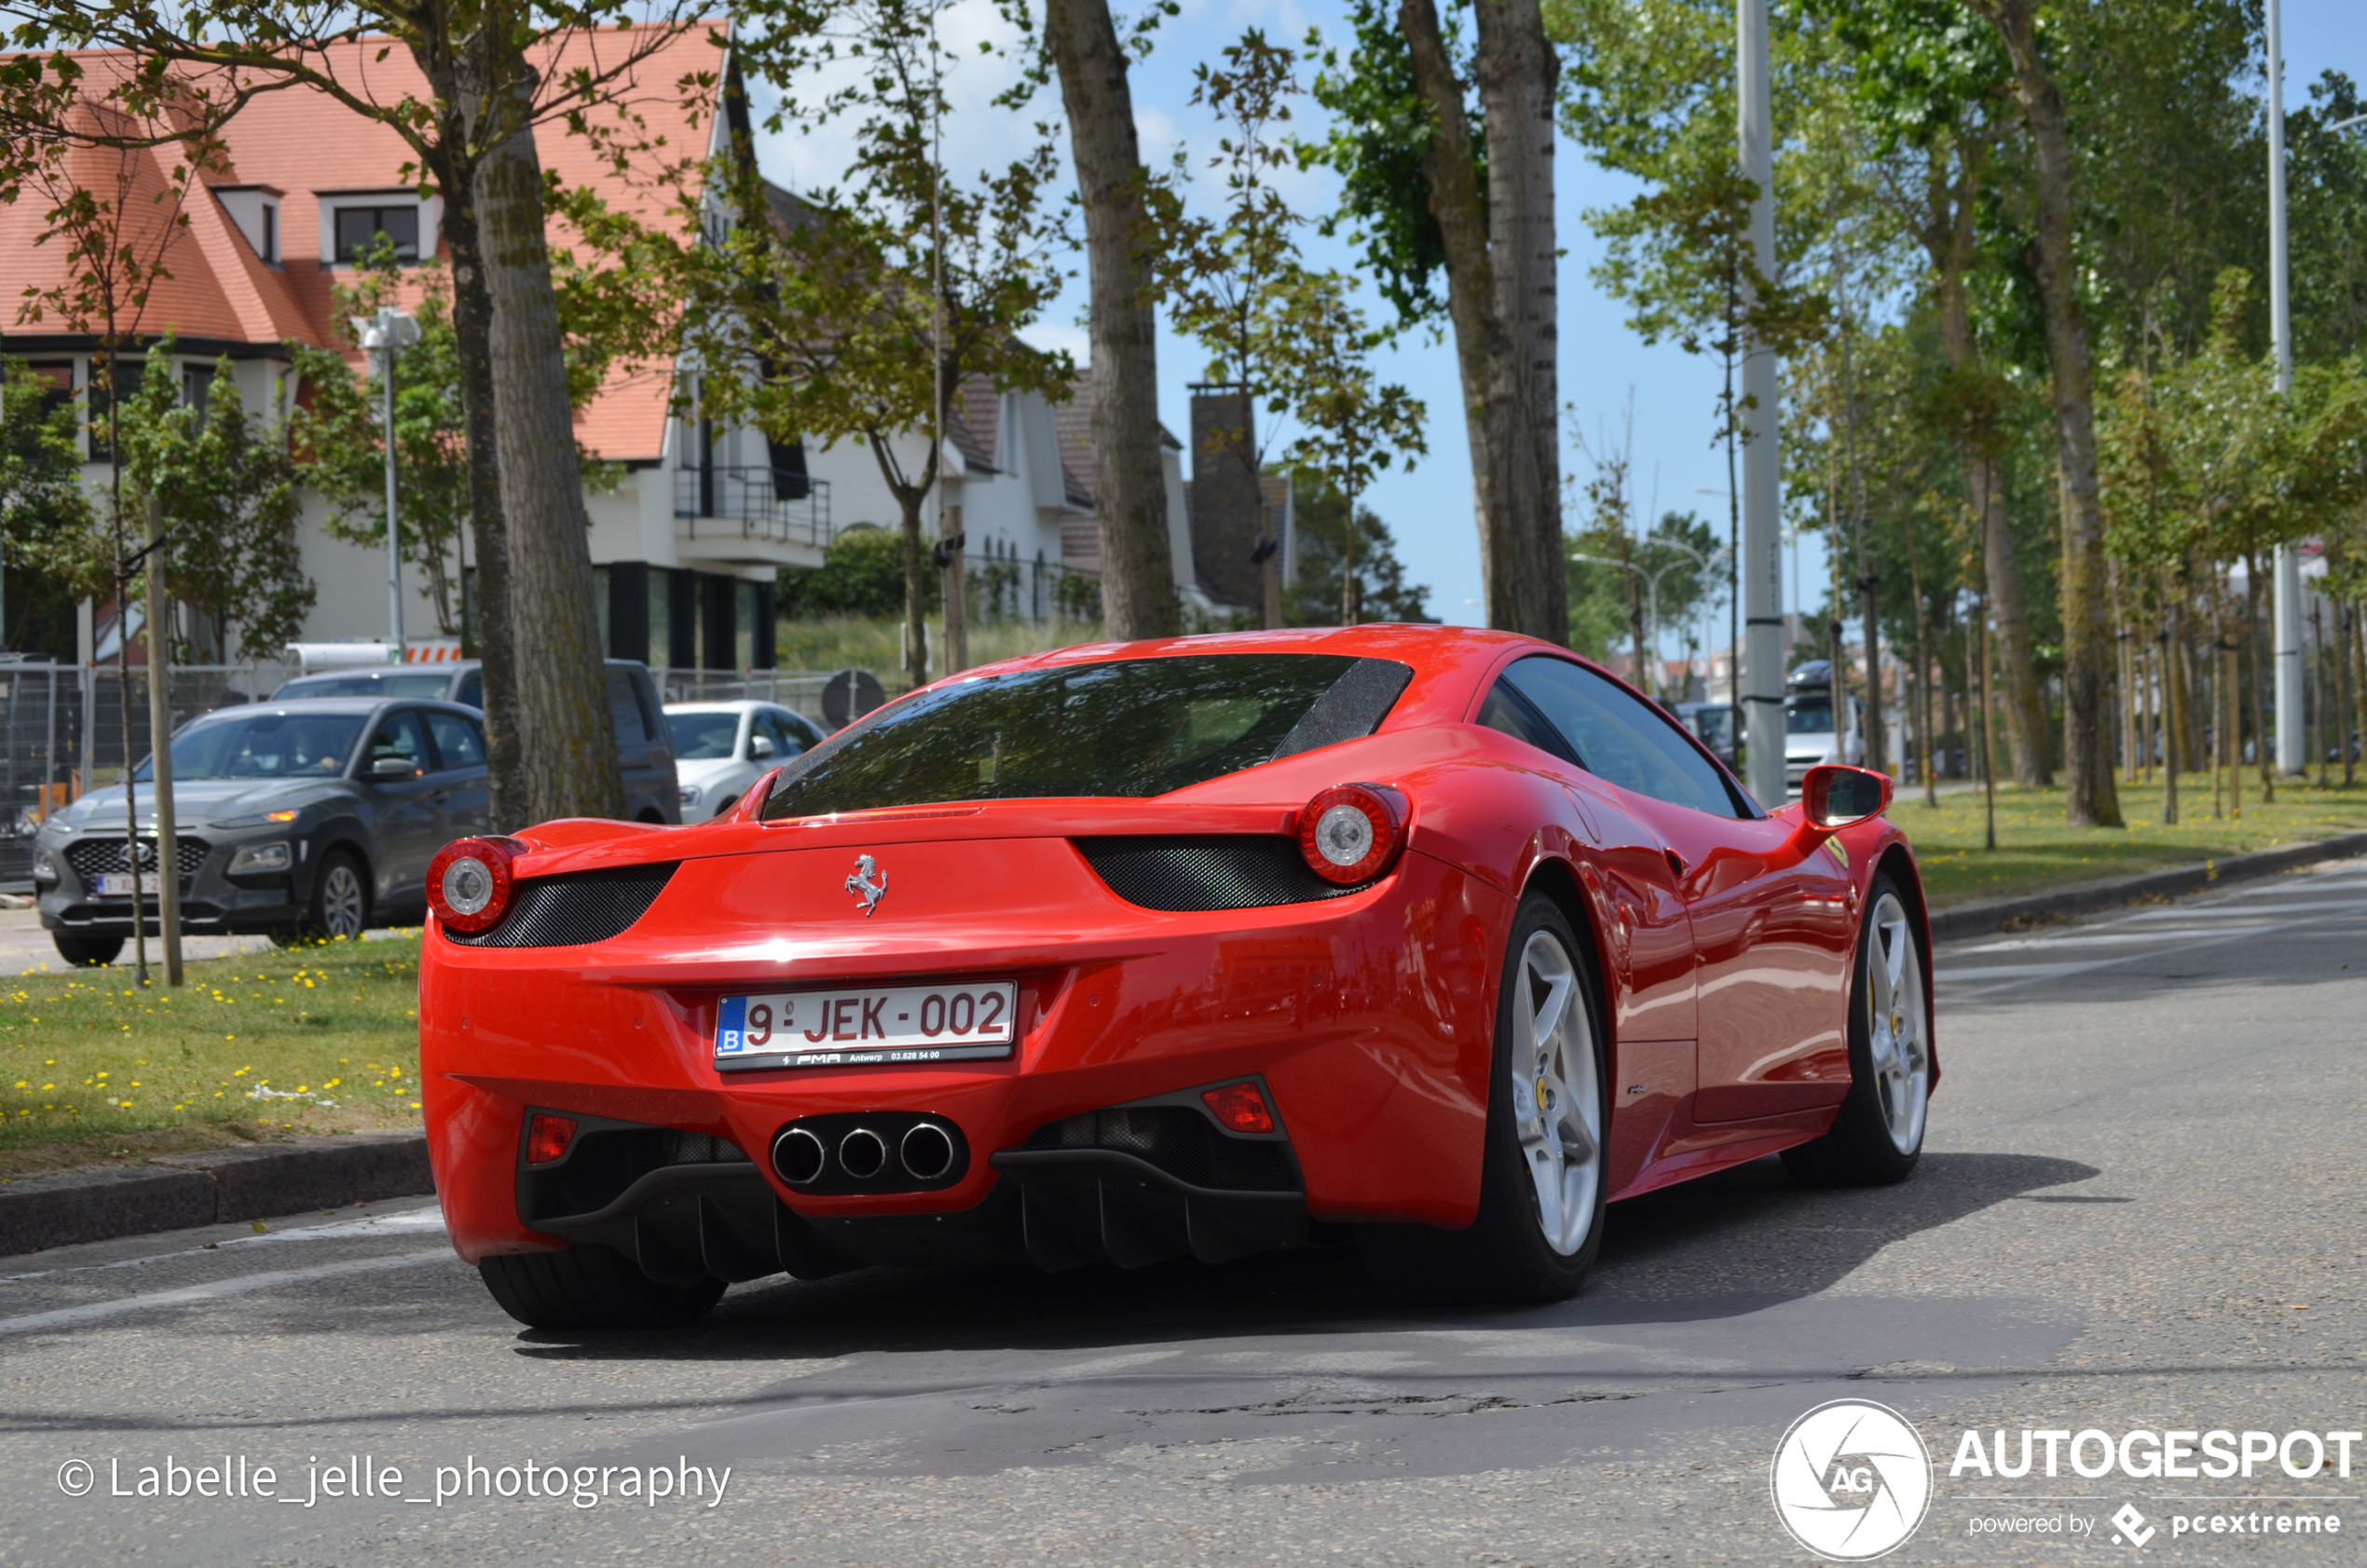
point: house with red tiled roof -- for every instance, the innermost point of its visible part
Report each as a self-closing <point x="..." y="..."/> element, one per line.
<point x="687" y="546"/>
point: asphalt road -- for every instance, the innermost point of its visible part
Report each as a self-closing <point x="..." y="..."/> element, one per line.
<point x="2140" y="1209"/>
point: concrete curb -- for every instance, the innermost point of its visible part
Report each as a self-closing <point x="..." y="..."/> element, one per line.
<point x="1989" y="915"/>
<point x="173" y="1192"/>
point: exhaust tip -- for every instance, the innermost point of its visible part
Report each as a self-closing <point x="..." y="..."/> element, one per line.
<point x="926" y="1151"/>
<point x="798" y="1156"/>
<point x="863" y="1153"/>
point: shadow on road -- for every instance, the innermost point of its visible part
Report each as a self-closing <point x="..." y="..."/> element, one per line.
<point x="1735" y="1243"/>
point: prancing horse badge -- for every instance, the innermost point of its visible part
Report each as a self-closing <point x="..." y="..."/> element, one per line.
<point x="867" y="891"/>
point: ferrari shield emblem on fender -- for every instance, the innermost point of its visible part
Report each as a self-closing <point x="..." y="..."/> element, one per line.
<point x="866" y="890"/>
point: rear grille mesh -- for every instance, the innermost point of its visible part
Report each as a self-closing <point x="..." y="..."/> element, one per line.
<point x="574" y="907"/>
<point x="1180" y="1141"/>
<point x="1206" y="871"/>
<point x="92" y="857"/>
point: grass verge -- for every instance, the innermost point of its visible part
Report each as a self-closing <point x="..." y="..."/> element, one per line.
<point x="93" y="1069"/>
<point x="850" y="642"/>
<point x="2036" y="850"/>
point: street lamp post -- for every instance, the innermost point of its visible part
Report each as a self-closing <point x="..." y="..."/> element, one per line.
<point x="2287" y="613"/>
<point x="1652" y="579"/>
<point x="1762" y="566"/>
<point x="385" y="336"/>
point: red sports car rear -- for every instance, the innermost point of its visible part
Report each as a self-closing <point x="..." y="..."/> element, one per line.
<point x="1416" y="936"/>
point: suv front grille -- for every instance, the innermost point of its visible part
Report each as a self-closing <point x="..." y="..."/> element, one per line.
<point x="92" y="857"/>
<point x="574" y="907"/>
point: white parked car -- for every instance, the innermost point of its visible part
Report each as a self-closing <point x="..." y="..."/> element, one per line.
<point x="720" y="748"/>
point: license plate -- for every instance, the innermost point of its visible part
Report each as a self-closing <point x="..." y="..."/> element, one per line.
<point x="117" y="885"/>
<point x="844" y="1028"/>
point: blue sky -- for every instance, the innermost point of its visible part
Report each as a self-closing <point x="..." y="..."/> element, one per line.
<point x="1603" y="363"/>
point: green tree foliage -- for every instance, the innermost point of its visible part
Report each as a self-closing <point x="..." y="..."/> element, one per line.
<point x="1319" y="511"/>
<point x="2205" y="461"/>
<point x="229" y="491"/>
<point x="48" y="545"/>
<point x="338" y="429"/>
<point x="1379" y="131"/>
<point x="862" y="573"/>
<point x="856" y="313"/>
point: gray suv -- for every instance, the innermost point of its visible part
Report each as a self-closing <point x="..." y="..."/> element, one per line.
<point x="644" y="748"/>
<point x="317" y="815"/>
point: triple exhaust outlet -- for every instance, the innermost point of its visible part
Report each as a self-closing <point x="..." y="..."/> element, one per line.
<point x="868" y="1153"/>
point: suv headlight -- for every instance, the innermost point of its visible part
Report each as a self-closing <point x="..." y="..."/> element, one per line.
<point x="45" y="866"/>
<point x="256" y="859"/>
<point x="689" y="794"/>
<point x="258" y="820"/>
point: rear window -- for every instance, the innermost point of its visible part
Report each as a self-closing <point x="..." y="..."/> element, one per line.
<point x="1129" y="729"/>
<point x="366" y="684"/>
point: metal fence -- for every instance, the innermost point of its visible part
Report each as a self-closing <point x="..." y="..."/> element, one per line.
<point x="61" y="727"/>
<point x="716" y="503"/>
<point x="62" y="731"/>
<point x="800" y="690"/>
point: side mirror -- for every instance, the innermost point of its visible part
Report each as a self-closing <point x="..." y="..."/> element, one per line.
<point x="761" y="746"/>
<point x="394" y="767"/>
<point x="1833" y="797"/>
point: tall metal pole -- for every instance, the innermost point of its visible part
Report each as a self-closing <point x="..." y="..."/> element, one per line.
<point x="394" y="533"/>
<point x="160" y="746"/>
<point x="1762" y="559"/>
<point x="2288" y="600"/>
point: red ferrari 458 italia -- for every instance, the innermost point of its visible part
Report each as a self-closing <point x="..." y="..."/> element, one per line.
<point x="1431" y="940"/>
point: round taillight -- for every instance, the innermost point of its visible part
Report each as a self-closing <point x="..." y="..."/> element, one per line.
<point x="1352" y="833"/>
<point x="469" y="883"/>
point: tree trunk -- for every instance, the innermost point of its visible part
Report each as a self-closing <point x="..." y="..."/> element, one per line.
<point x="2256" y="648"/>
<point x="473" y="330"/>
<point x="1129" y="483"/>
<point x="2090" y="799"/>
<point x="1501" y="266"/>
<point x="1948" y="239"/>
<point x="572" y="768"/>
<point x="514" y="358"/>
<point x="2342" y="686"/>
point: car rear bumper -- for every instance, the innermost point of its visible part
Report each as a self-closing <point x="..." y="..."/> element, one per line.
<point x="1366" y="1018"/>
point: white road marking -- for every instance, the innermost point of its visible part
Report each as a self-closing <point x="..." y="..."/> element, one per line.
<point x="1963" y="982"/>
<point x="92" y="1312"/>
<point x="413" y="1221"/>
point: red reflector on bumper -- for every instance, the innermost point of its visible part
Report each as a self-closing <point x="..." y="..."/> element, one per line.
<point x="1240" y="1107"/>
<point x="547" y="1139"/>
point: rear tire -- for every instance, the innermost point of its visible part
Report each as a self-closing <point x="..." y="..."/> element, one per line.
<point x="1543" y="1169"/>
<point x="1877" y="1136"/>
<point x="87" y="952"/>
<point x="591" y="1287"/>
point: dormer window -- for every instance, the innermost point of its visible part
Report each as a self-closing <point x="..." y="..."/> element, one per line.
<point x="255" y="209"/>
<point x="359" y="227"/>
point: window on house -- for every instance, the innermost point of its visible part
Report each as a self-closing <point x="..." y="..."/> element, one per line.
<point x="57" y="385"/>
<point x="197" y="390"/>
<point x="128" y="373"/>
<point x="358" y="229"/>
<point x="270" y="252"/>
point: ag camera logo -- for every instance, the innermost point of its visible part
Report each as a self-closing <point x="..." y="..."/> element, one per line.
<point x="1851" y="1481"/>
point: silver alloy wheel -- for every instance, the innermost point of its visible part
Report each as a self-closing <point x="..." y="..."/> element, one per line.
<point x="1557" y="1097"/>
<point x="1895" y="1026"/>
<point x="341" y="901"/>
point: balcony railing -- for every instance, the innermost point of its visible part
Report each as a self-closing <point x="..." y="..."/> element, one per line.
<point x="742" y="503"/>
